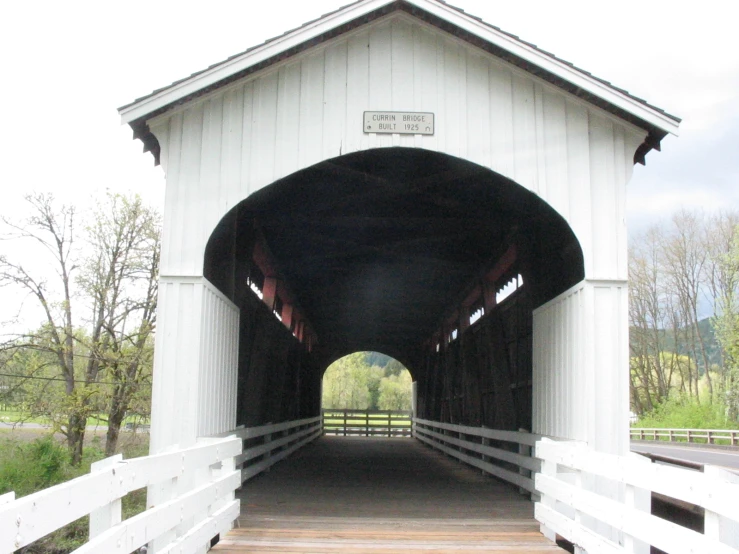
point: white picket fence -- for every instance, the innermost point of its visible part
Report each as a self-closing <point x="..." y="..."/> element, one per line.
<point x="200" y="481"/>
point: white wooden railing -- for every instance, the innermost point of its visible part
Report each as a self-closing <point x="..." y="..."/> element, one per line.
<point x="268" y="444"/>
<point x="728" y="437"/>
<point x="599" y="502"/>
<point x="199" y="484"/>
<point x="602" y="502"/>
<point x="504" y="454"/>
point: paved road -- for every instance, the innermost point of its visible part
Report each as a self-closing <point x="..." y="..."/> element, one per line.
<point x="717" y="457"/>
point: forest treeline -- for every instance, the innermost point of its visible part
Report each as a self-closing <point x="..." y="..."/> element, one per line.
<point x="684" y="320"/>
<point x="367" y="381"/>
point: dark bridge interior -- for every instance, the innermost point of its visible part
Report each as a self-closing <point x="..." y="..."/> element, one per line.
<point x="400" y="251"/>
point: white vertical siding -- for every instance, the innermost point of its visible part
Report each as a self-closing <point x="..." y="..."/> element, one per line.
<point x="221" y="149"/>
<point x="580" y="363"/>
<point x="195" y="363"/>
<point x="219" y="349"/>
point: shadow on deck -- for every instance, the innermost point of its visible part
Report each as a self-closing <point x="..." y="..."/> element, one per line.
<point x="355" y="495"/>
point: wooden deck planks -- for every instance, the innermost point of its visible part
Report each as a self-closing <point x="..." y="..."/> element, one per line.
<point x="355" y="495"/>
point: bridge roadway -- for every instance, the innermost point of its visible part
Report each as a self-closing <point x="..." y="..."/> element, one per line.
<point x="353" y="495"/>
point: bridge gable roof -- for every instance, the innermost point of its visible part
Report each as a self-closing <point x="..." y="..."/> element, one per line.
<point x="437" y="13"/>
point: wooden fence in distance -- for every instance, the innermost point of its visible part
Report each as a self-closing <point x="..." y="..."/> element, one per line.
<point x="367" y="423"/>
<point x="729" y="437"/>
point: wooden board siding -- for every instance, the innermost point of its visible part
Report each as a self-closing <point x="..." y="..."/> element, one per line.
<point x="220" y="149"/>
<point x="228" y="144"/>
<point x="380" y="495"/>
<point x="484" y="376"/>
<point x="201" y="344"/>
<point x="580" y="360"/>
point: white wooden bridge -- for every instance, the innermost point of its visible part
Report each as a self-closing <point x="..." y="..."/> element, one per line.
<point x="401" y="177"/>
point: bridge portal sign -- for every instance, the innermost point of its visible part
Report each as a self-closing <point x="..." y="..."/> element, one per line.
<point x="402" y="123"/>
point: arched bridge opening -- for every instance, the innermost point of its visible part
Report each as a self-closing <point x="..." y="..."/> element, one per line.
<point x="431" y="259"/>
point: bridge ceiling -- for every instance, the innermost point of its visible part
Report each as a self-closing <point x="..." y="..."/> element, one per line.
<point x="376" y="246"/>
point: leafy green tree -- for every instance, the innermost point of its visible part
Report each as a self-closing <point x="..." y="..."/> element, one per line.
<point x="396" y="392"/>
<point x="345" y="384"/>
<point x="375" y="376"/>
<point x="726" y="318"/>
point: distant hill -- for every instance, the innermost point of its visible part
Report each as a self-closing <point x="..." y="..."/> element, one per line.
<point x="713" y="350"/>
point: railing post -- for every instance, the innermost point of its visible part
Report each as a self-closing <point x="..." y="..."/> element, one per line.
<point x="716" y="527"/>
<point x="637" y="499"/>
<point x="268" y="454"/>
<point x="389" y="425"/>
<point x="524" y="450"/>
<point x="710" y="437"/>
<point x="690" y="439"/>
<point x="366" y="424"/>
<point x="549" y="469"/>
<point x="344" y="422"/>
<point x="485" y="442"/>
<point x="109" y="515"/>
<point x="671" y="435"/>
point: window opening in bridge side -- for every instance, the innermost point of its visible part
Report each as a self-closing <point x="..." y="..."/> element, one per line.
<point x="477" y="310"/>
<point x="508" y="289"/>
<point x="277" y="310"/>
<point x="255" y="281"/>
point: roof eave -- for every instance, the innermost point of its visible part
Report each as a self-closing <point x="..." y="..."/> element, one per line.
<point x="656" y="122"/>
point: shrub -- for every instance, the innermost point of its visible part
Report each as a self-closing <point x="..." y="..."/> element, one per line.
<point x="683" y="413"/>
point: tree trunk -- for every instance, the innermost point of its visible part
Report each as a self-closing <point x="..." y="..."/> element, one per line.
<point x="76" y="437"/>
<point x="116" y="415"/>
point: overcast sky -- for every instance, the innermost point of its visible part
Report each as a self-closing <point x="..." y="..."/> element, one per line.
<point x="68" y="65"/>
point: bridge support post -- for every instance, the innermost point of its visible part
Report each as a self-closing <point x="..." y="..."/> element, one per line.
<point x="195" y="363"/>
<point x="581" y="366"/>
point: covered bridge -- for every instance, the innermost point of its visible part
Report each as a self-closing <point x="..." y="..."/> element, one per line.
<point x="371" y="181"/>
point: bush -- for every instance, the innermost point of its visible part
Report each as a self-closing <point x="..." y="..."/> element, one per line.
<point x="28" y="467"/>
<point x="683" y="413"/>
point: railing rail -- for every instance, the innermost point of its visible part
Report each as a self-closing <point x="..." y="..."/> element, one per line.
<point x="201" y="480"/>
<point x="579" y="486"/>
<point x="368" y="423"/>
<point x="728" y="437"/>
<point x="266" y="445"/>
<point x="503" y="454"/>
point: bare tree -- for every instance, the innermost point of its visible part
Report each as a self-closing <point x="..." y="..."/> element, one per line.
<point x="685" y="259"/>
<point x="120" y="279"/>
<point x="114" y="275"/>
